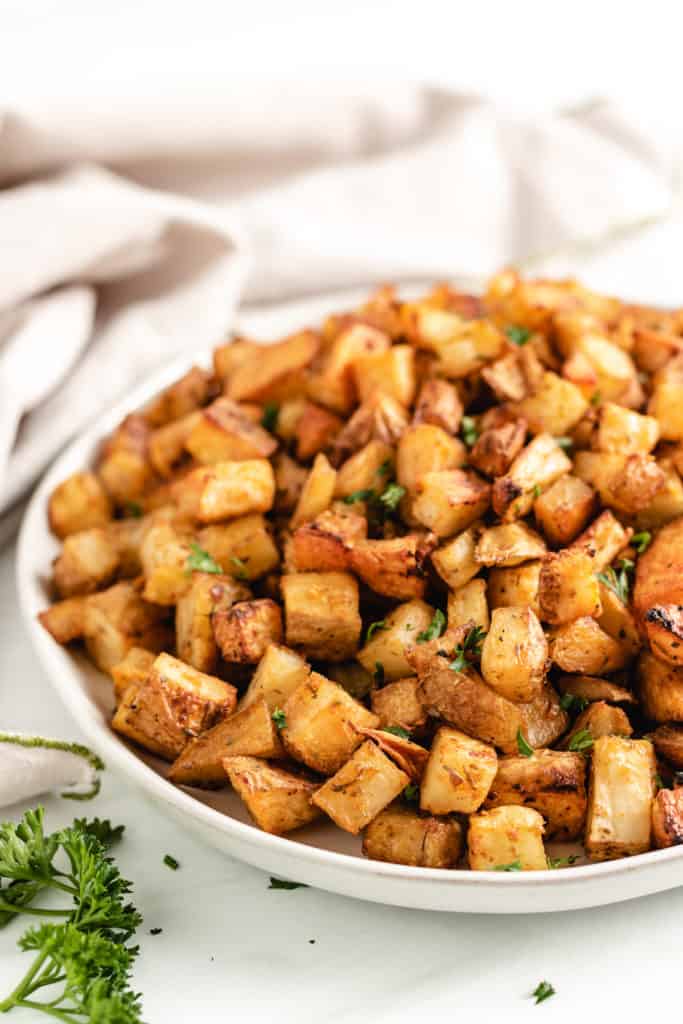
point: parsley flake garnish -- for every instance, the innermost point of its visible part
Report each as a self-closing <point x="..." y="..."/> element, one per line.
<point x="391" y="496"/>
<point x="561" y="862"/>
<point x="544" y="990"/>
<point x="581" y="741"/>
<point x="537" y="492"/>
<point x="518" y="335"/>
<point x="397" y="730"/>
<point x="523" y="746"/>
<point x="171" y="862"/>
<point x="596" y="398"/>
<point x="411" y="793"/>
<point x="134" y="509"/>
<point x="514" y="865"/>
<point x="373" y="628"/>
<point x="470" y="645"/>
<point x="641" y="541"/>
<point x="468" y="431"/>
<point x="364" y="494"/>
<point x="570" y="702"/>
<point x="200" y="560"/>
<point x="618" y="581"/>
<point x="282" y="883"/>
<point x="271" y="411"/>
<point x="385" y="468"/>
<point x="564" y="442"/>
<point x="379" y="673"/>
<point x="434" y="629"/>
<point x="241" y="567"/>
<point x="280" y="718"/>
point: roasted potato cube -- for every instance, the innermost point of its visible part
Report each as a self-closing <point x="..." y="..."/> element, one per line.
<point x="515" y="588"/>
<point x="438" y="403"/>
<point x="244" y="630"/>
<point x="658" y="593"/>
<point x="164" y="554"/>
<point x="334" y="385"/>
<point x="274" y="372"/>
<point x="424" y="448"/>
<point x="582" y="646"/>
<point x="668" y="741"/>
<point x="187" y="393"/>
<point x="399" y="704"/>
<point x="277" y="800"/>
<point x="381" y="418"/>
<point x="514" y="654"/>
<point x="400" y="630"/>
<point x="469" y="604"/>
<point x="538" y="465"/>
<point x="250" y="732"/>
<point x="175" y="703"/>
<point x="402" y="836"/>
<point x="543" y="719"/>
<point x="624" y="431"/>
<point x="88" y="560"/>
<point x="508" y="545"/>
<point x="665" y="401"/>
<point x="207" y="594"/>
<point x="564" y="509"/>
<point x="224" y="433"/>
<point x="393" y="567"/>
<point x="552" y="782"/>
<point x="471" y="344"/>
<point x="660" y="687"/>
<point x="227" y="490"/>
<point x="620" y="798"/>
<point x="617" y="621"/>
<point x="316" y="429"/>
<point x="627" y="483"/>
<point x="592" y="688"/>
<point x="506" y="836"/>
<point x="167" y="444"/>
<point x="352" y="677"/>
<point x="279" y="673"/>
<point x="325" y="544"/>
<point x="322" y="724"/>
<point x="316" y="493"/>
<point x="667" y="503"/>
<point x="392" y="372"/>
<point x="65" y="620"/>
<point x="124" y="467"/>
<point x="597" y="364"/>
<point x="363" y="787"/>
<point x="79" y="503"/>
<point x="554" y="407"/>
<point x="458" y="775"/>
<point x="455" y="561"/>
<point x="600" y="719"/>
<point x="364" y="470"/>
<point x="119" y="618"/>
<point x="450" y="500"/>
<point x="506" y="378"/>
<point x="567" y="587"/>
<point x="497" y="448"/>
<point x="667" y="818"/>
<point x="243" y="548"/>
<point x="232" y="354"/>
<point x="321" y="614"/>
<point x="134" y="670"/>
<point x="603" y="540"/>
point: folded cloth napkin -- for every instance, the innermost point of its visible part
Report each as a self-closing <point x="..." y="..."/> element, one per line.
<point x="130" y="235"/>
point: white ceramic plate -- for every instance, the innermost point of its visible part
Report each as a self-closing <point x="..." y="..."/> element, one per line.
<point x="321" y="855"/>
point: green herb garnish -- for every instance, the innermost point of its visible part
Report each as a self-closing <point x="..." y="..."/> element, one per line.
<point x="397" y="730"/>
<point x="570" y="702"/>
<point x="596" y="398"/>
<point x="564" y="442"/>
<point x="282" y="883"/>
<point x="411" y="793"/>
<point x="200" y="560"/>
<point x="544" y="990"/>
<point x="659" y="782"/>
<point x="171" y="862"/>
<point x="373" y="628"/>
<point x="518" y="335"/>
<point x="240" y="565"/>
<point x="561" y="862"/>
<point x="364" y="494"/>
<point x="134" y="509"/>
<point x="379" y="673"/>
<point x="470" y="645"/>
<point x="641" y="541"/>
<point x="537" y="492"/>
<point x="514" y="865"/>
<point x="280" y="718"/>
<point x="618" y="581"/>
<point x="391" y="496"/>
<point x="434" y="629"/>
<point x="468" y="431"/>
<point x="271" y="411"/>
<point x="523" y="746"/>
<point x="581" y="741"/>
<point x="385" y="468"/>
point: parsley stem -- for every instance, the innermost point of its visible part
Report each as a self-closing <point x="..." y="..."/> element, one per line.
<point x="16" y="998"/>
<point x="17" y="908"/>
<point x="52" y="1011"/>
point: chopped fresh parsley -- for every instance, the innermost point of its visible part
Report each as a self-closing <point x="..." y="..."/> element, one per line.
<point x="561" y="862"/>
<point x="518" y="335"/>
<point x="411" y="793"/>
<point x="544" y="990"/>
<point x="397" y="730"/>
<point x="155" y="931"/>
<point x="617" y="580"/>
<point x="468" y="431"/>
<point x="200" y="560"/>
<point x="564" y="442"/>
<point x="523" y="746"/>
<point x="537" y="492"/>
<point x="514" y="865"/>
<point x="385" y="468"/>
<point x="373" y="628"/>
<point x="379" y="673"/>
<point x="434" y="629"/>
<point x="596" y="398"/>
<point x="134" y="509"/>
<point x="470" y="645"/>
<point x="282" y="883"/>
<point x="240" y="565"/>
<point x="171" y="862"/>
<point x="364" y="494"/>
<point x="271" y="411"/>
<point x="659" y="781"/>
<point x="570" y="702"/>
<point x="581" y="741"/>
<point x="280" y="718"/>
<point x="391" y="496"/>
<point x="641" y="541"/>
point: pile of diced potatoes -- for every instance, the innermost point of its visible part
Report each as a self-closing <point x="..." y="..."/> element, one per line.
<point x="418" y="570"/>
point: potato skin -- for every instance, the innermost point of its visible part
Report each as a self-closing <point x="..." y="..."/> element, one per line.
<point x="552" y="782"/>
<point x="567" y="587"/>
<point x="393" y="567"/>
<point x="401" y="836"/>
<point x="667" y="818"/>
<point x="399" y="704"/>
<point x="581" y="646"/>
<point x="278" y="800"/>
<point x="660" y="688"/>
<point x="244" y="630"/>
<point x="668" y="741"/>
<point x="64" y="620"/>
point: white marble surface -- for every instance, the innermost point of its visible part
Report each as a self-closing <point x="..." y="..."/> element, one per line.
<point x="233" y="949"/>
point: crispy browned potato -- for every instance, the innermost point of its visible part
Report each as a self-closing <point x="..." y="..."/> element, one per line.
<point x="363" y="787"/>
<point x="563" y="510"/>
<point x="508" y="544"/>
<point x="120" y="618"/>
<point x="245" y="630"/>
<point x="333" y="385"/>
<point x="277" y="800"/>
<point x="243" y="548"/>
<point x="425" y="448"/>
<point x="175" y="703"/>
<point x="250" y="732"/>
<point x="622" y="430"/>
<point x="391" y="639"/>
<point x="592" y="688"/>
<point x="401" y="836"/>
<point x="514" y="654"/>
<point x="394" y="568"/>
<point x="455" y="560"/>
<point x="88" y="561"/>
<point x="166" y="446"/>
<point x="124" y="467"/>
<point x="231" y="355"/>
<point x="554" y="406"/>
<point x="667" y="818"/>
<point x="459" y="773"/>
<point x="622" y="786"/>
<point x="582" y="646"/>
<point x="543" y="719"/>
<point x="450" y="500"/>
<point x="224" y="433"/>
<point x="469" y="604"/>
<point x="316" y="430"/>
<point x="274" y="372"/>
<point x="79" y="503"/>
<point x="180" y="398"/>
<point x="668" y="741"/>
<point x="164" y="554"/>
<point x="381" y="419"/>
<point x="399" y="704"/>
<point x="438" y="403"/>
<point x="505" y="836"/>
<point x="515" y="587"/>
<point x="600" y="719"/>
<point x="660" y="688"/>
<point x="321" y="614"/>
<point x="568" y="588"/>
<point x="65" y="620"/>
<point x="498" y="447"/>
<point x="226" y="490"/>
<point x="625" y="483"/>
<point x="134" y="670"/>
<point x="603" y="540"/>
<point x="538" y="465"/>
<point x="365" y="470"/>
<point x="665" y="401"/>
<point x="658" y="593"/>
<point x="552" y="782"/>
<point x="207" y="594"/>
<point x="325" y="544"/>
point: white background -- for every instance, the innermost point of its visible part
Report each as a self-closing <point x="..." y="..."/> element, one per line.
<point x="230" y="948"/>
